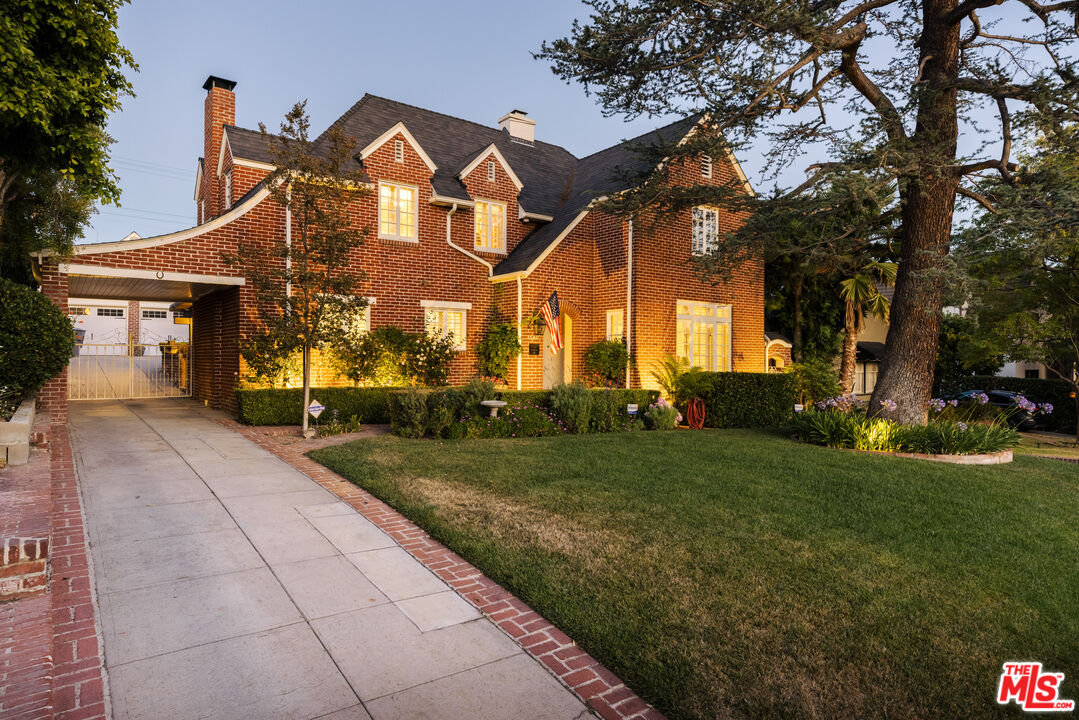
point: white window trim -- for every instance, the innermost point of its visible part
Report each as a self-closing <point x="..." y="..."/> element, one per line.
<point x="728" y="321"/>
<point x="416" y="196"/>
<point x="622" y="333"/>
<point x="491" y="170"/>
<point x="462" y="307"/>
<point x="501" y="250"/>
<point x="399" y="150"/>
<point x="445" y="304"/>
<point x="706" y="246"/>
<point x="706" y="166"/>
<point x="392" y="132"/>
<point x="492" y="150"/>
<point x="228" y="190"/>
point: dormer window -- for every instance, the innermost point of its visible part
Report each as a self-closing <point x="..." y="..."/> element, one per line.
<point x="490" y="226"/>
<point x="399" y="151"/>
<point x="705" y="230"/>
<point x="491" y="170"/>
<point x="706" y="166"/>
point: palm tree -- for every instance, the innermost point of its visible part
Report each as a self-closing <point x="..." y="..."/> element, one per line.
<point x="861" y="294"/>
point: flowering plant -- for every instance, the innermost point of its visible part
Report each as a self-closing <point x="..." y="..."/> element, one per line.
<point x="661" y="415"/>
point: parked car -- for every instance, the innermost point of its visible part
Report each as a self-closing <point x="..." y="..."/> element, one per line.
<point x="1008" y="403"/>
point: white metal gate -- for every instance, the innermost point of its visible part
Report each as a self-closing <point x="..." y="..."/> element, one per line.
<point x="121" y="371"/>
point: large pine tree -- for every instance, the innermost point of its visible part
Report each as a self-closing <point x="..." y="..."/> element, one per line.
<point x="882" y="87"/>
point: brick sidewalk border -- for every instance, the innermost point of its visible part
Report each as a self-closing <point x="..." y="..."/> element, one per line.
<point x="600" y="689"/>
<point x="78" y="680"/>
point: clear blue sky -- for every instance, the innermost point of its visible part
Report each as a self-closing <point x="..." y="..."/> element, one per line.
<point x="469" y="58"/>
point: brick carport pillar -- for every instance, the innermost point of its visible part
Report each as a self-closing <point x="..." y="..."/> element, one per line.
<point x="53" y="396"/>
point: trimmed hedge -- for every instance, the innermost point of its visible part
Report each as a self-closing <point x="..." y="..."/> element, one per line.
<point x="1053" y="391"/>
<point x="738" y="399"/>
<point x="36" y="339"/>
<point x="283" y="406"/>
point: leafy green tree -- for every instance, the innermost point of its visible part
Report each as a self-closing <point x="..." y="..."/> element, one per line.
<point x="62" y="73"/>
<point x="47" y="211"/>
<point x="306" y="283"/>
<point x="882" y="87"/>
<point x="861" y="295"/>
<point x="964" y="351"/>
<point x="1023" y="257"/>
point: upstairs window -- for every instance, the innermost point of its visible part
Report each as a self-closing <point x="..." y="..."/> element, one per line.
<point x="491" y="170"/>
<point x="490" y="226"/>
<point x="396" y="212"/>
<point x="704" y="335"/>
<point x="706" y="166"/>
<point x="446" y="320"/>
<point x="705" y="230"/>
<point x="399" y="151"/>
<point x="615" y="322"/>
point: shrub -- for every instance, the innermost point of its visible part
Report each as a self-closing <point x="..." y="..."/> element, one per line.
<point x="531" y="420"/>
<point x="390" y="357"/>
<point x="607" y="360"/>
<point x="661" y="415"/>
<point x="36" y="339"/>
<point x="408" y="413"/>
<point x="814" y="380"/>
<point x="738" y="399"/>
<point x="472" y="395"/>
<point x="441" y="410"/>
<point x="334" y="425"/>
<point x="284" y="406"/>
<point x="572" y="405"/>
<point x="667" y="372"/>
<point x="496" y="349"/>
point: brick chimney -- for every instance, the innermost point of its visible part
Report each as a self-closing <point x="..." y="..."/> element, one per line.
<point x="220" y="111"/>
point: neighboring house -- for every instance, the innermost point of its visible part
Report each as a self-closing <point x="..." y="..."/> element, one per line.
<point x="103" y="325"/>
<point x="468" y="223"/>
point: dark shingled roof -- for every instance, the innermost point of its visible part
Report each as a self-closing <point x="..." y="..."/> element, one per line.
<point x="248" y="144"/>
<point x="870" y="351"/>
<point x="555" y="182"/>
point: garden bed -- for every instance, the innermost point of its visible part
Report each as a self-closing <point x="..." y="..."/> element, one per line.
<point x="997" y="458"/>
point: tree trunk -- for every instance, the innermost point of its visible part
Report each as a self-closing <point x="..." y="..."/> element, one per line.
<point x="796" y="333"/>
<point x="928" y="201"/>
<point x="849" y="358"/>
<point x="306" y="385"/>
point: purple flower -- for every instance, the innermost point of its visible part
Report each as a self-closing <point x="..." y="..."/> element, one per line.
<point x="888" y="405"/>
<point x="953" y="403"/>
<point x="982" y="398"/>
<point x="1047" y="408"/>
<point x="962" y="425"/>
<point x="937" y="404"/>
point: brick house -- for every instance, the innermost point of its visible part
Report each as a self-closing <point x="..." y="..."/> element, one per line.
<point x="468" y="222"/>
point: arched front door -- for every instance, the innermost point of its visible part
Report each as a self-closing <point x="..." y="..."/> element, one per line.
<point x="558" y="367"/>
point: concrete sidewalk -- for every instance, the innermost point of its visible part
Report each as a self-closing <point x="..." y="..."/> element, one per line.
<point x="233" y="586"/>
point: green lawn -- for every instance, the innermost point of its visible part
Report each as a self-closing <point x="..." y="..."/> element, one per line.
<point x="740" y="574"/>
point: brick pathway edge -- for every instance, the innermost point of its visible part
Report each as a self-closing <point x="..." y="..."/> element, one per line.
<point x="597" y="686"/>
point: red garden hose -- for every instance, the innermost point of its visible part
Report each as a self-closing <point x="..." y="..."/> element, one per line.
<point x="695" y="414"/>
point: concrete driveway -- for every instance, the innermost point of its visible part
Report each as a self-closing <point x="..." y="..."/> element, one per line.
<point x="232" y="586"/>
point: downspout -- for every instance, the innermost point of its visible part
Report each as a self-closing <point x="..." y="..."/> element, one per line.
<point x="449" y="241"/>
<point x="629" y="297"/>
<point x="520" y="331"/>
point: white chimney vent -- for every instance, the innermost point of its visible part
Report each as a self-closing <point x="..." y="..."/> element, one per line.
<point x="520" y="127"/>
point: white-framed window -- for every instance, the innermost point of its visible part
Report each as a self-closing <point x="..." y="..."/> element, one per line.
<point x="865" y="377"/>
<point x="77" y="310"/>
<point x="706" y="166"/>
<point x="447" y="319"/>
<point x="396" y="211"/>
<point x="155" y="314"/>
<point x="490" y="226"/>
<point x="491" y="170"/>
<point x="704" y="335"/>
<point x="228" y="189"/>
<point x="399" y="150"/>
<point x="110" y="312"/>
<point x="705" y="230"/>
<point x="615" y="324"/>
<point x="354" y="322"/>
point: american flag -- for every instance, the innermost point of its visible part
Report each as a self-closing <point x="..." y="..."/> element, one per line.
<point x="549" y="310"/>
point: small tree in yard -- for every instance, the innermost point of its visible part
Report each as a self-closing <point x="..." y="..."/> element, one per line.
<point x="882" y="88"/>
<point x="305" y="284"/>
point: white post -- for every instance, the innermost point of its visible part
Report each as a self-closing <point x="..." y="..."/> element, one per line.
<point x="629" y="297"/>
<point x="520" y="332"/>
